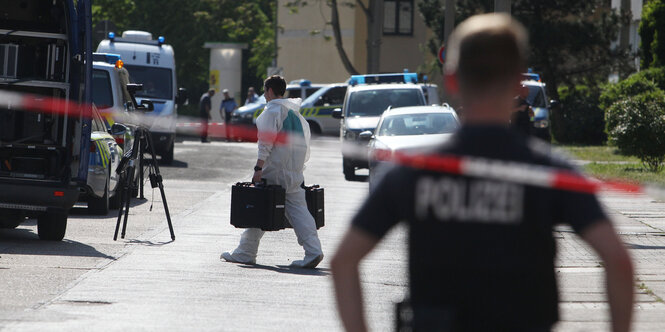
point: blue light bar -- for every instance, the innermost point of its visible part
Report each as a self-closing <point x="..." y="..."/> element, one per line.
<point x="384" y="78"/>
<point x="111" y="35"/>
<point x="161" y="40"/>
<point x="106" y="57"/>
<point x="305" y="83"/>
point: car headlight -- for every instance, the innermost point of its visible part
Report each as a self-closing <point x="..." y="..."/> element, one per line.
<point x="541" y="124"/>
<point x="248" y="115"/>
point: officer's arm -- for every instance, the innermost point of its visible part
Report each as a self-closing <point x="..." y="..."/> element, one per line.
<point x="354" y="246"/>
<point x="619" y="271"/>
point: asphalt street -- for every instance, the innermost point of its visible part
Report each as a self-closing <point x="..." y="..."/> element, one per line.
<point x="147" y="282"/>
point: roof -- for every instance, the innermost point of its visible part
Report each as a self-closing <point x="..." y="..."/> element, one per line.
<point x="419" y="109"/>
<point x="384" y="86"/>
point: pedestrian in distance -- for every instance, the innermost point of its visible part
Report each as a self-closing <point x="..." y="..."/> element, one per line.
<point x="282" y="163"/>
<point x="226" y="110"/>
<point x="252" y="97"/>
<point x="481" y="251"/>
<point x="204" y="112"/>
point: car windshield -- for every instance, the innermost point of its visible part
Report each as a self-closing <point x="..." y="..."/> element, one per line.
<point x="536" y="97"/>
<point x="156" y="81"/>
<point x="418" y="124"/>
<point x="374" y="102"/>
<point x="102" y="94"/>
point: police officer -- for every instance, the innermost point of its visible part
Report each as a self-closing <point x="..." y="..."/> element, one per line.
<point x="481" y="251"/>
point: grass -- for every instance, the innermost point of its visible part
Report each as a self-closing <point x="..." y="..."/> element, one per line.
<point x="605" y="162"/>
<point x="597" y="153"/>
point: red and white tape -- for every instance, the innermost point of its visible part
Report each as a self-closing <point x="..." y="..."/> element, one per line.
<point x="527" y="174"/>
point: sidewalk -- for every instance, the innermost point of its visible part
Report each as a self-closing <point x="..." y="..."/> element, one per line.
<point x="184" y="286"/>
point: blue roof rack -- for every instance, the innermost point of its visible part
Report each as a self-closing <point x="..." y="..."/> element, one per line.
<point x="109" y="58"/>
<point x="384" y="78"/>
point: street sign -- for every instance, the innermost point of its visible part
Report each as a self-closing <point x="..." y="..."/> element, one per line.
<point x="442" y="54"/>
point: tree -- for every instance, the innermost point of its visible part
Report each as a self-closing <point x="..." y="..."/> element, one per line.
<point x="652" y="35"/>
<point x="569" y="39"/>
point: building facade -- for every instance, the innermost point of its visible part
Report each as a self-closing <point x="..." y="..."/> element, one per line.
<point x="306" y="46"/>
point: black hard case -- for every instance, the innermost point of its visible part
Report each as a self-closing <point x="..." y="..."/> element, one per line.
<point x="259" y="206"/>
<point x="314" y="197"/>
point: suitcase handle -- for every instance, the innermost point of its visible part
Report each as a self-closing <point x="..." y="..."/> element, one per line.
<point x="263" y="183"/>
<point x="314" y="186"/>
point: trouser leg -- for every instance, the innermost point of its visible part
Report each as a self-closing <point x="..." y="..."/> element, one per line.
<point x="249" y="244"/>
<point x="227" y="123"/>
<point x="303" y="223"/>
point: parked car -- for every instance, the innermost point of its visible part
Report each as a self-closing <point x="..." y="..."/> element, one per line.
<point x="245" y="116"/>
<point x="317" y="108"/>
<point x="101" y="189"/>
<point x="408" y="129"/>
<point x="367" y="97"/>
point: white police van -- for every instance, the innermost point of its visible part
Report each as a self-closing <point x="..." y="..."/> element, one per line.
<point x="151" y="63"/>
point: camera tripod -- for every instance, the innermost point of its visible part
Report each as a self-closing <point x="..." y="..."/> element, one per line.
<point x="127" y="168"/>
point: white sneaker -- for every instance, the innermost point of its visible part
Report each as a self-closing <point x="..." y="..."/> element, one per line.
<point x="227" y="256"/>
<point x="307" y="263"/>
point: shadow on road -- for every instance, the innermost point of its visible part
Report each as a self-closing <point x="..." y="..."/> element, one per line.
<point x="639" y="246"/>
<point x="289" y="270"/>
<point x="149" y="243"/>
<point x="174" y="164"/>
<point x="25" y="242"/>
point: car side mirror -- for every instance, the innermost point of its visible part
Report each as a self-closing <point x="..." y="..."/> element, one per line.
<point x="118" y="129"/>
<point x="337" y="113"/>
<point x="366" y="135"/>
<point x="146" y="106"/>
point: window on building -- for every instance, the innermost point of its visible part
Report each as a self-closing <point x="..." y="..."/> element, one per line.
<point x="398" y="17"/>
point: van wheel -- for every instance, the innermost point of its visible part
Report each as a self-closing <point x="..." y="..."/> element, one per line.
<point x="51" y="226"/>
<point x="314" y="128"/>
<point x="99" y="206"/>
<point x="167" y="158"/>
<point x="11" y="218"/>
<point x="349" y="171"/>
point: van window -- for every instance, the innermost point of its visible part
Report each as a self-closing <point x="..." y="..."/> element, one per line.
<point x="157" y="82"/>
<point x="374" y="102"/>
<point x="102" y="94"/>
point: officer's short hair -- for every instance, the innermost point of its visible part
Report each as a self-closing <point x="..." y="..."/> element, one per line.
<point x="486" y="51"/>
<point x="276" y="83"/>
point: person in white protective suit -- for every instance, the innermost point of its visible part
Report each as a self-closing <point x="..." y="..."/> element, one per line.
<point x="281" y="162"/>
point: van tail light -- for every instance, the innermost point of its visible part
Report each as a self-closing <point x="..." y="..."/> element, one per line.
<point x="59" y="193"/>
<point x="120" y="140"/>
<point x="93" y="147"/>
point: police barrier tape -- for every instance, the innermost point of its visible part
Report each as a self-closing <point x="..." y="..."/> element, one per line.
<point x="527" y="174"/>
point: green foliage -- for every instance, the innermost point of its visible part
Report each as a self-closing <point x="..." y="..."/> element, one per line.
<point x="632" y="86"/>
<point x="636" y="126"/>
<point x="652" y="34"/>
<point x="569" y="39"/>
<point x="187" y="25"/>
<point x="657" y="75"/>
<point x="579" y="120"/>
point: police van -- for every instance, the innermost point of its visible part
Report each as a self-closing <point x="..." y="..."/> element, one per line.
<point x="367" y="97"/>
<point x="151" y="63"/>
<point x="317" y="109"/>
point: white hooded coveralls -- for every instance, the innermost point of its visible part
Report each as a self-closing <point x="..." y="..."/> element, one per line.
<point x="284" y="166"/>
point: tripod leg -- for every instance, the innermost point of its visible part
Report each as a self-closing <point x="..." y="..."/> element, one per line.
<point x="161" y="186"/>
<point x="124" y="200"/>
<point x="141" y="164"/>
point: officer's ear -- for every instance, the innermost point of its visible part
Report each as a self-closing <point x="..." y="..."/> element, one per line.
<point x="451" y="82"/>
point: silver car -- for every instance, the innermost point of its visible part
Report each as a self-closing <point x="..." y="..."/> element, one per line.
<point x="408" y="129"/>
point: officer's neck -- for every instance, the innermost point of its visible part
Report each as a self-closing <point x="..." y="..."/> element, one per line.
<point x="487" y="111"/>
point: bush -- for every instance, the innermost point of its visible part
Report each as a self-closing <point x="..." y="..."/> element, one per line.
<point x="579" y="120"/>
<point x="657" y="75"/>
<point x="632" y="86"/>
<point x="636" y="126"/>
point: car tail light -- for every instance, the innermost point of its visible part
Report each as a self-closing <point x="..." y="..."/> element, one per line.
<point x="120" y="140"/>
<point x="59" y="193"/>
<point x="93" y="147"/>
